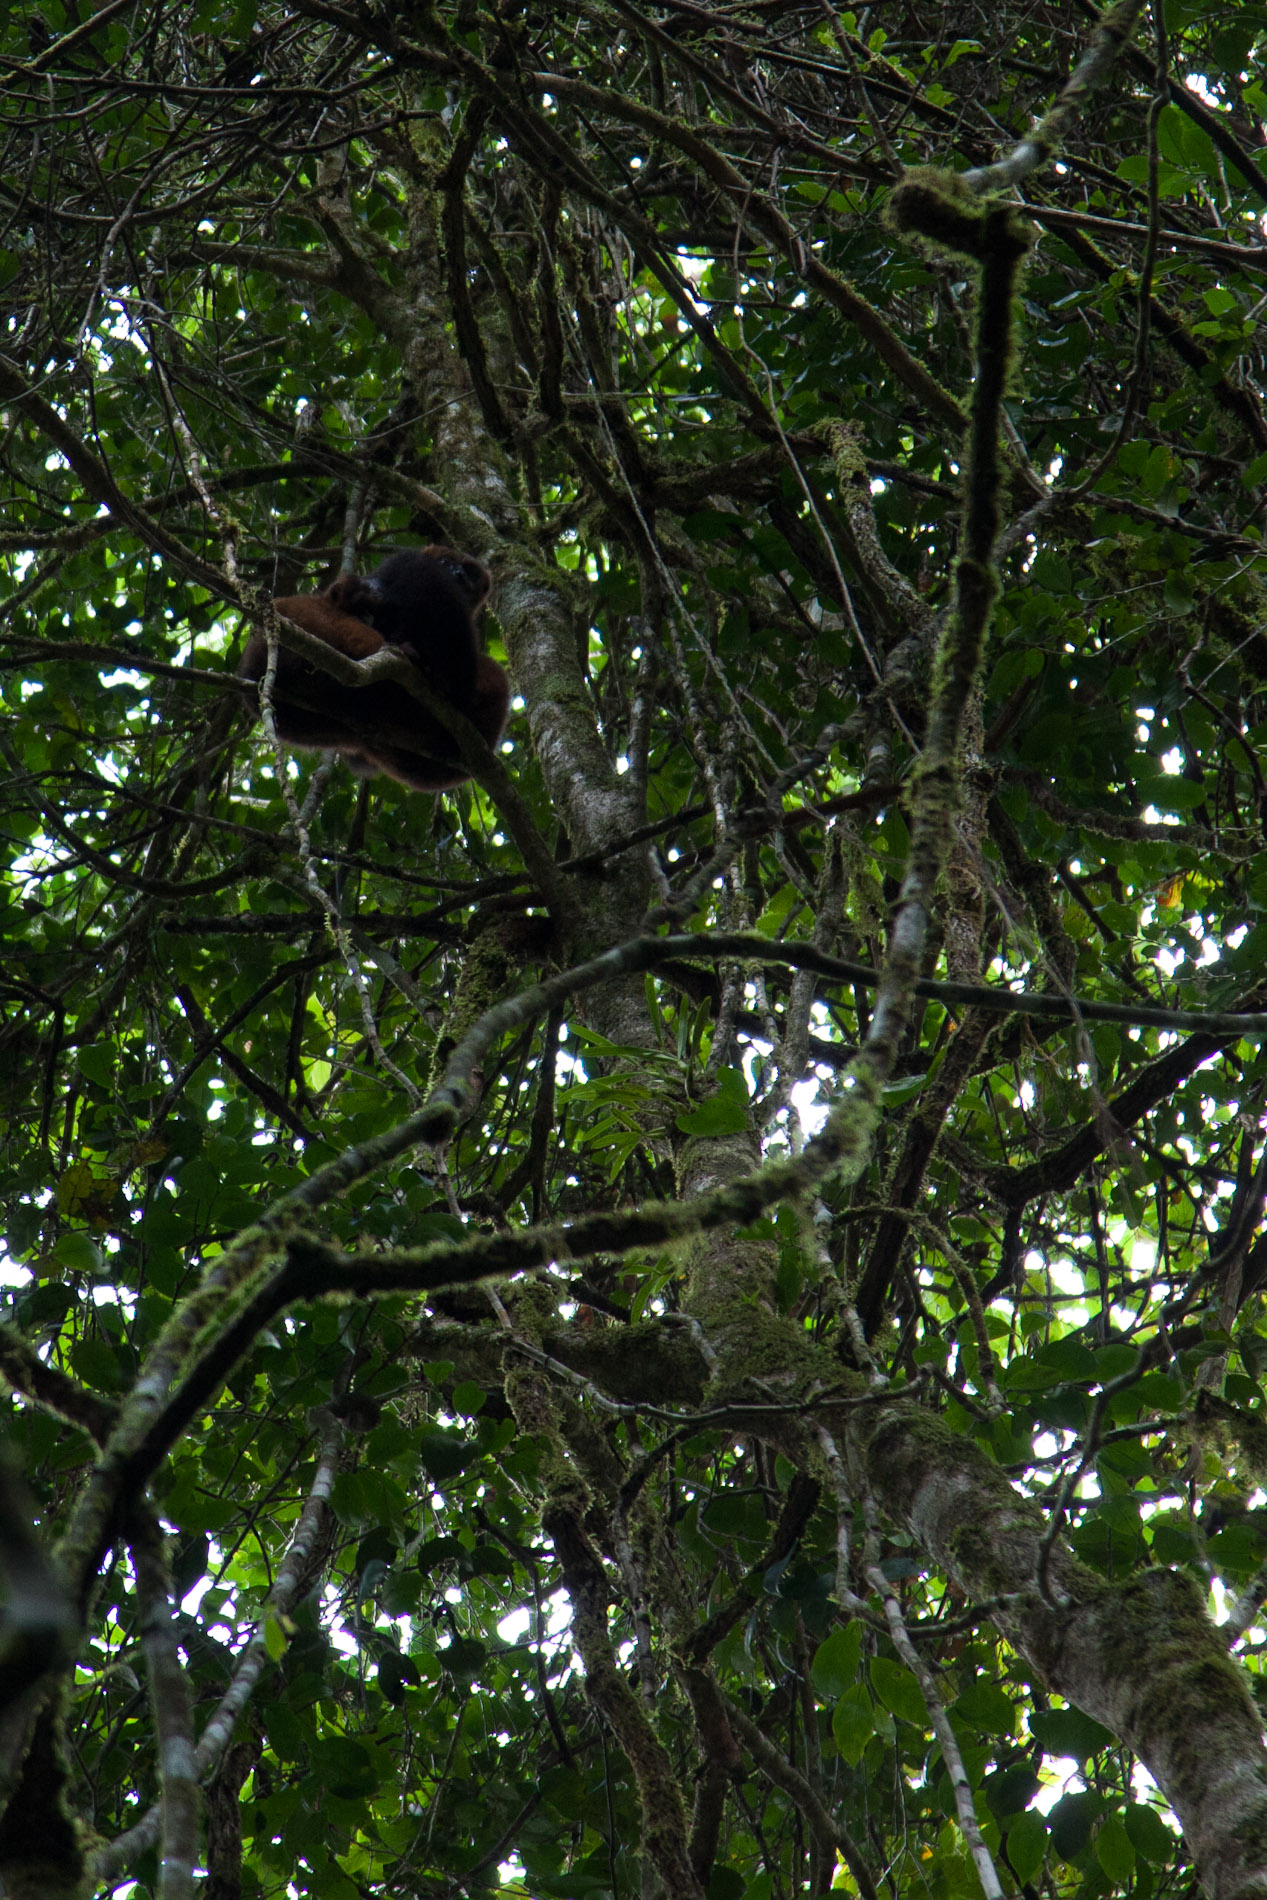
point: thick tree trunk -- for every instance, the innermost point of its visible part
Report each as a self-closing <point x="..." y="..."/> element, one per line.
<point x="1140" y="1656"/>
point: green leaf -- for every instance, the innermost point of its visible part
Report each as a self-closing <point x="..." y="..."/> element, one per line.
<point x="1114" y="1850"/>
<point x="346" y="1767"/>
<point x="1009" y="1791"/>
<point x="78" y="1254"/>
<point x="439" y="1550"/>
<point x="444" y="1454"/>
<point x="1169" y="792"/>
<point x="1070" y="1823"/>
<point x="898" y="1691"/>
<point x="1068" y="1732"/>
<point x="1026" y="1844"/>
<point x="835" y="1666"/>
<point x="1112" y="1361"/>
<point x="894" y="1094"/>
<point x="99" y="1063"/>
<point x="987" y="1707"/>
<point x="724" y="1113"/>
<point x="1072" y="1358"/>
<point x="1149" y="1834"/>
<point x="852" y="1724"/>
<point x="397" y="1673"/>
<point x="464" y="1658"/>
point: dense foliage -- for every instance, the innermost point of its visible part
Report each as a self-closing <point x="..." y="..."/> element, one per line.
<point x="686" y="1317"/>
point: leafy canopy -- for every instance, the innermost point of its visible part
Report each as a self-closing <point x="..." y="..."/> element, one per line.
<point x="779" y="1405"/>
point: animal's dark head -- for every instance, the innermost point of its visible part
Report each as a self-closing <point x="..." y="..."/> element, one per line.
<point x="417" y="583"/>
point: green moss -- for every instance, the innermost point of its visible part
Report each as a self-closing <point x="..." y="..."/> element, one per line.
<point x="763" y="1349"/>
<point x="905" y="1440"/>
<point x="632" y="1360"/>
<point x="985" y="1533"/>
<point x="845" y="441"/>
<point x="1157" y="1641"/>
<point x="41" y="1852"/>
<point x="1252" y="1836"/>
<point x="1157" y="1621"/>
<point x="1246" y="1430"/>
<point x="936" y="205"/>
<point x="492" y="962"/>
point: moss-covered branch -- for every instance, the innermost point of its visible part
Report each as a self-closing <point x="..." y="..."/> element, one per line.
<point x="1141" y="1656"/>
